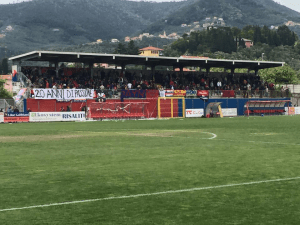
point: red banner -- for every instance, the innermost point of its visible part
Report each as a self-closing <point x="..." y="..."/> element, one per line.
<point x="228" y="94"/>
<point x="202" y="93"/>
<point x="16" y="119"/>
<point x="152" y="93"/>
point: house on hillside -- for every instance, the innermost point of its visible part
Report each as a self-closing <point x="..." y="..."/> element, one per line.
<point x="290" y="23"/>
<point x="163" y="35"/>
<point x="127" y="39"/>
<point x="173" y="36"/>
<point x="248" y="43"/>
<point x="114" y="40"/>
<point x="151" y="51"/>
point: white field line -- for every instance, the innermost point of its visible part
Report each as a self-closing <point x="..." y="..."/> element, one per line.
<point x="150" y="194"/>
<point x="213" y="135"/>
<point x="262" y="142"/>
<point x="184" y="131"/>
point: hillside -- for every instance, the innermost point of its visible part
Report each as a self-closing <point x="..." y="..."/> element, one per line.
<point x="237" y="13"/>
<point x="49" y="23"/>
<point x="54" y="24"/>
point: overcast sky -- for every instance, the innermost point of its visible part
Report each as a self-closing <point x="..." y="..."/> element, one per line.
<point x="293" y="4"/>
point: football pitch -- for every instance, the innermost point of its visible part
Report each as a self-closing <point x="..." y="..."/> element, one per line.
<point x="178" y="171"/>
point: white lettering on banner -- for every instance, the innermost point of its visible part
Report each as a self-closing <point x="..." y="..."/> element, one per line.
<point x="1" y="117"/>
<point x="194" y="112"/>
<point x="63" y="94"/>
<point x="229" y="112"/>
<point x="56" y="116"/>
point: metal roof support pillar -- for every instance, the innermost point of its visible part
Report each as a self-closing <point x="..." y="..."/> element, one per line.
<point x="56" y="68"/>
<point x="153" y="72"/>
<point x="144" y="73"/>
<point x="123" y="67"/>
<point x="91" y="67"/>
<point x="55" y="64"/>
<point x="207" y="70"/>
<point x="19" y="66"/>
<point x="181" y="74"/>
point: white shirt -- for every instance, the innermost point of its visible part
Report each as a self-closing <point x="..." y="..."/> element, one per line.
<point x="162" y="93"/>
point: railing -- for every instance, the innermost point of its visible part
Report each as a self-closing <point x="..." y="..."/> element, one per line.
<point x="25" y="83"/>
<point x="6" y="103"/>
<point x="116" y="94"/>
<point x="249" y="94"/>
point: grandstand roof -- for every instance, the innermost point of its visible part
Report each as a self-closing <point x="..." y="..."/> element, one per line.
<point x="117" y="59"/>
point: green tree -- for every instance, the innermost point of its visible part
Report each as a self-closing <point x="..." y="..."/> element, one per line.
<point x="257" y="35"/>
<point x="5" y="65"/>
<point x="279" y="75"/>
<point x="132" y="49"/>
<point x="3" y="92"/>
<point x="120" y="49"/>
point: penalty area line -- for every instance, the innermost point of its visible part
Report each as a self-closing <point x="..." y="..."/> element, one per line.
<point x="151" y="194"/>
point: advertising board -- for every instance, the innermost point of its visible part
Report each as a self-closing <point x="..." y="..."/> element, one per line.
<point x="290" y="111"/>
<point x="191" y="93"/>
<point x="229" y="112"/>
<point x="169" y="93"/>
<point x="297" y="110"/>
<point x="1" y="117"/>
<point x="194" y="113"/>
<point x="63" y="94"/>
<point x="56" y="116"/>
<point x="12" y="114"/>
<point x="179" y="93"/>
<point x="202" y="93"/>
<point x="16" y="119"/>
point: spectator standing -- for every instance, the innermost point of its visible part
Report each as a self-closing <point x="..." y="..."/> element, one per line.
<point x="129" y="85"/>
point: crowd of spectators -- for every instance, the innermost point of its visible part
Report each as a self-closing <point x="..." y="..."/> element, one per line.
<point x="117" y="79"/>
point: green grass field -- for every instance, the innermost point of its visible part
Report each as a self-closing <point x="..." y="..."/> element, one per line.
<point x="180" y="171"/>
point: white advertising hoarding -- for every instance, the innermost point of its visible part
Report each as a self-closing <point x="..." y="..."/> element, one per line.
<point x="194" y="112"/>
<point x="229" y="112"/>
<point x="297" y="110"/>
<point x="1" y="117"/>
<point x="56" y="116"/>
<point x="63" y="94"/>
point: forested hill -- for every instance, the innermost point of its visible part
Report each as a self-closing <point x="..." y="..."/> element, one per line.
<point x="237" y="13"/>
<point x="42" y="23"/>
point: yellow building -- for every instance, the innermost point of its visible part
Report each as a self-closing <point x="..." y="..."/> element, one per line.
<point x="151" y="51"/>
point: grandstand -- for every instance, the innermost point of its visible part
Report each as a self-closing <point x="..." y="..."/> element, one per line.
<point x="56" y="74"/>
<point x="49" y="70"/>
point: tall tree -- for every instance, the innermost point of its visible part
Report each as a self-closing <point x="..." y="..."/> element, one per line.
<point x="132" y="49"/>
<point x="280" y="75"/>
<point x="3" y="92"/>
<point x="5" y="65"/>
<point x="120" y="49"/>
